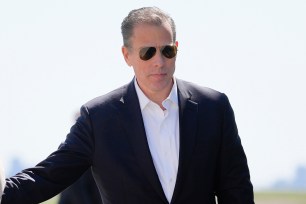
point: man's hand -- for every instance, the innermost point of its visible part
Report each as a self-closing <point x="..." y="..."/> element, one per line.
<point x="2" y="180"/>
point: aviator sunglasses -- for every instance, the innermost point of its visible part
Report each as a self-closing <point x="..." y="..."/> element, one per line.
<point x="169" y="51"/>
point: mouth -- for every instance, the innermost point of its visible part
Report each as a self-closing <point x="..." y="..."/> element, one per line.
<point x="158" y="76"/>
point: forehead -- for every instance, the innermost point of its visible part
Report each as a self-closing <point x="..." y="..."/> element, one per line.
<point x="151" y="35"/>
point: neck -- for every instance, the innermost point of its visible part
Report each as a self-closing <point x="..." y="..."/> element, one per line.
<point x="158" y="98"/>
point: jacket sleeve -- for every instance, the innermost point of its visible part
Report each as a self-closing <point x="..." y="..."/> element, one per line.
<point x="57" y="171"/>
<point x="233" y="183"/>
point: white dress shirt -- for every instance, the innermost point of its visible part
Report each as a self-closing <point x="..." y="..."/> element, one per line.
<point x="162" y="130"/>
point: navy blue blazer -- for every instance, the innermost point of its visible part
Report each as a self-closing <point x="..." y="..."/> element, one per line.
<point x="109" y="137"/>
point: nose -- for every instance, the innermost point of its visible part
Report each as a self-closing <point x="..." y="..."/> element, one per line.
<point x="158" y="59"/>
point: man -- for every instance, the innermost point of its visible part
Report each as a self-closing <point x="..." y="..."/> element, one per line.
<point x="155" y="140"/>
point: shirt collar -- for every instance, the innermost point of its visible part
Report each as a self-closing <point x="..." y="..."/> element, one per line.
<point x="144" y="100"/>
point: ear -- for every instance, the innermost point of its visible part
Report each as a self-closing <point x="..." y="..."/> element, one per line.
<point x="176" y="43"/>
<point x="126" y="55"/>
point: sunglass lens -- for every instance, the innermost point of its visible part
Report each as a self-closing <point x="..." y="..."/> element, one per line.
<point x="169" y="51"/>
<point x="147" y="53"/>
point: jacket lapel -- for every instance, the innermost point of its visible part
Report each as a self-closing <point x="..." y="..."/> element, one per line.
<point x="188" y="125"/>
<point x="134" y="127"/>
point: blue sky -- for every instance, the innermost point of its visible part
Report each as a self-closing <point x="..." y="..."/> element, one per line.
<point x="57" y="55"/>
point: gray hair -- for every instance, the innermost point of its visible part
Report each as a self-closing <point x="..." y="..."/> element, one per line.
<point x="145" y="15"/>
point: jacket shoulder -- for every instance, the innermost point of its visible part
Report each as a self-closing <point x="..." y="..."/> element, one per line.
<point x="198" y="92"/>
<point x="106" y="104"/>
<point x="106" y="99"/>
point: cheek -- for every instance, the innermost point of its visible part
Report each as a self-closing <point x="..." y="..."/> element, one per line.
<point x="171" y="65"/>
<point x="139" y="70"/>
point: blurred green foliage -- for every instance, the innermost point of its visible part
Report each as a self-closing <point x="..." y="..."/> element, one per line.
<point x="267" y="197"/>
<point x="53" y="200"/>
